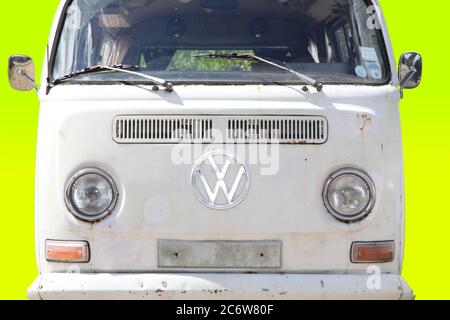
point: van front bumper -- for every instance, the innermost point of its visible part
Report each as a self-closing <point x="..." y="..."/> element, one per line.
<point x="218" y="286"/>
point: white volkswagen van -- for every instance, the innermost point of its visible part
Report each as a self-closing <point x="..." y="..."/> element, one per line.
<point x="232" y="149"/>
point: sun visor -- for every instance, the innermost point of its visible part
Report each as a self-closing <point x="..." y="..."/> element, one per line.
<point x="115" y="18"/>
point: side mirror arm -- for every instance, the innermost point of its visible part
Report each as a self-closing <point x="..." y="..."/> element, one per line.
<point x="406" y="79"/>
<point x="21" y="72"/>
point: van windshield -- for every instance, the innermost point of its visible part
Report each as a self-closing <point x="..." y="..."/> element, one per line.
<point x="332" y="41"/>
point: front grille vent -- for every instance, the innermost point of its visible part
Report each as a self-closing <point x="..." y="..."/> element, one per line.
<point x="149" y="129"/>
<point x="220" y="129"/>
<point x="295" y="130"/>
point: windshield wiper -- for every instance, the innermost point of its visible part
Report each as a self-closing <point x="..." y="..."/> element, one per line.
<point x="118" y="68"/>
<point x="254" y="58"/>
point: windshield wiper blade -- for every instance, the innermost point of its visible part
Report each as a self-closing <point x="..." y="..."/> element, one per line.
<point x="118" y="68"/>
<point x="251" y="57"/>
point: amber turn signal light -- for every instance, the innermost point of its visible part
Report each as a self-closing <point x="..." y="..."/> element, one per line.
<point x="67" y="251"/>
<point x="373" y="252"/>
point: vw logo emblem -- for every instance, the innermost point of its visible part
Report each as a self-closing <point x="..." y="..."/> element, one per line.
<point x="220" y="180"/>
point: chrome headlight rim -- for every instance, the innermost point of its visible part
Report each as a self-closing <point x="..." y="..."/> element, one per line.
<point x="73" y="208"/>
<point x="372" y="195"/>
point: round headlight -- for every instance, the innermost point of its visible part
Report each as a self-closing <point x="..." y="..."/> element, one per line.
<point x="91" y="194"/>
<point x="349" y="195"/>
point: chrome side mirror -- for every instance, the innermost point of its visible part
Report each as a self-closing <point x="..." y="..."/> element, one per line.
<point x="21" y="73"/>
<point x="410" y="71"/>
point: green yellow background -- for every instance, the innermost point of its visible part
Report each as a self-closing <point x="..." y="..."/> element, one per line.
<point x="414" y="25"/>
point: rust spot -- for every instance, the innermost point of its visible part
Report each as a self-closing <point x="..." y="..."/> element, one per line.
<point x="159" y="291"/>
<point x="295" y="142"/>
<point x="164" y="284"/>
<point x="322" y="284"/>
<point x="365" y="120"/>
<point x="283" y="293"/>
<point x="183" y="292"/>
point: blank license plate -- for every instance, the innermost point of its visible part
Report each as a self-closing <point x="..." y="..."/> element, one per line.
<point x="219" y="254"/>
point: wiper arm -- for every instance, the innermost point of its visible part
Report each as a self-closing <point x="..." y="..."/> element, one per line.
<point x="255" y="58"/>
<point x="118" y="68"/>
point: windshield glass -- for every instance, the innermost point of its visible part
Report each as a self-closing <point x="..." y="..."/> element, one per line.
<point x="332" y="41"/>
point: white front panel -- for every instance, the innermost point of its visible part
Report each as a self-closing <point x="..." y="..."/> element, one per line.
<point x="156" y="197"/>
